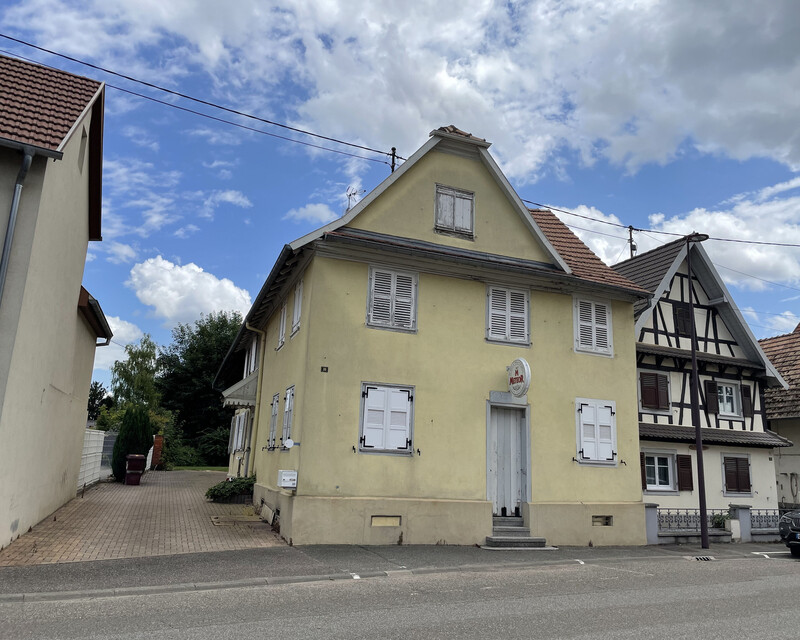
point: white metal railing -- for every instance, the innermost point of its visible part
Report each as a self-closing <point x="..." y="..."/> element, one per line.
<point x="689" y="519"/>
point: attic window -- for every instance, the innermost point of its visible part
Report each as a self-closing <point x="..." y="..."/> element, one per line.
<point x="455" y="211"/>
<point x="82" y="151"/>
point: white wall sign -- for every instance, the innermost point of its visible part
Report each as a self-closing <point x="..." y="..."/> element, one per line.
<point x="519" y="377"/>
<point x="287" y="479"/>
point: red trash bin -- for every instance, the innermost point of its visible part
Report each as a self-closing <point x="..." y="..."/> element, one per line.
<point x="134" y="468"/>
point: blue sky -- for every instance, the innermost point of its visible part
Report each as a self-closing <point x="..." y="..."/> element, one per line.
<point x="666" y="115"/>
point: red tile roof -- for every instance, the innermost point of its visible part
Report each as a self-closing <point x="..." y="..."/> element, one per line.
<point x="784" y="352"/>
<point x="38" y="105"/>
<point x="583" y="262"/>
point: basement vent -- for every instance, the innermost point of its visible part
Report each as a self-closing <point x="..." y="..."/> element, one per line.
<point x="385" y="521"/>
<point x="602" y="521"/>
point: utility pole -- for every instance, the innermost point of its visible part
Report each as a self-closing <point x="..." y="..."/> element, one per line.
<point x="630" y="240"/>
<point x="694" y="391"/>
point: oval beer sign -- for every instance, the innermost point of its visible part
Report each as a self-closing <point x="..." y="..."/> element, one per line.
<point x="519" y="377"/>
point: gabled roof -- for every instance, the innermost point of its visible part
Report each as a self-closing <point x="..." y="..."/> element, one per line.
<point x="450" y="138"/>
<point x="40" y="109"/>
<point x="784" y="352"/>
<point x="654" y="270"/>
<point x="582" y="261"/>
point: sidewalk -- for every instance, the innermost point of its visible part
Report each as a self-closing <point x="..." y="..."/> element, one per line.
<point x="167" y="514"/>
<point x="283" y="565"/>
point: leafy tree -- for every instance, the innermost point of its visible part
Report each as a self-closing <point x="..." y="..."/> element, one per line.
<point x="135" y="436"/>
<point x="133" y="380"/>
<point x="98" y="398"/>
<point x="187" y="368"/>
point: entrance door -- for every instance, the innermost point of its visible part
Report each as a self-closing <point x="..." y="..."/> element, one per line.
<point x="507" y="461"/>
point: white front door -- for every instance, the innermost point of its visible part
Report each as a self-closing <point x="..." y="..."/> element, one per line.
<point x="507" y="461"/>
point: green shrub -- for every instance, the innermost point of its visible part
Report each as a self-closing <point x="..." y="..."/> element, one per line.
<point x="230" y="488"/>
<point x="135" y="436"/>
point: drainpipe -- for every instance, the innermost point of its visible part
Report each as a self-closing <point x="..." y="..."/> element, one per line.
<point x="254" y="435"/>
<point x="12" y="216"/>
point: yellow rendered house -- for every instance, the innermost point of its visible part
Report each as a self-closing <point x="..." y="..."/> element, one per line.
<point x="441" y="365"/>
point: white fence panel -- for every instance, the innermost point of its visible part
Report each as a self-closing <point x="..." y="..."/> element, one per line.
<point x="91" y="458"/>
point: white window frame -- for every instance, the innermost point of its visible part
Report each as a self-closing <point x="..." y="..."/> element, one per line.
<point x="282" y="328"/>
<point x="596" y="450"/>
<point x="495" y="316"/>
<point x="592" y="326"/>
<point x="298" y="304"/>
<point x="670" y="457"/>
<point x="393" y="300"/>
<point x="251" y="357"/>
<point x="273" y="421"/>
<point x="443" y="192"/>
<point x="736" y="399"/>
<point x="382" y="440"/>
<point x="288" y="414"/>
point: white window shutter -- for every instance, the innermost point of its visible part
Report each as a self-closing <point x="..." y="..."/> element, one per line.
<point x="445" y="209"/>
<point x="462" y="213"/>
<point x="232" y="434"/>
<point x="374" y="418"/>
<point x="605" y="433"/>
<point x="589" y="444"/>
<point x="282" y="329"/>
<point x="498" y="313"/>
<point x="601" y="326"/>
<point x="380" y="311"/>
<point x="404" y="295"/>
<point x="585" y="335"/>
<point x="273" y="420"/>
<point x="397" y="427"/>
<point x="518" y="316"/>
<point x="298" y="303"/>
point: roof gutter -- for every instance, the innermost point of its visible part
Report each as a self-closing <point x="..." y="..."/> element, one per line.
<point x="12" y="216"/>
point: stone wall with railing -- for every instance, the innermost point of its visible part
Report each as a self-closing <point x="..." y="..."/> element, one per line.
<point x="738" y="523"/>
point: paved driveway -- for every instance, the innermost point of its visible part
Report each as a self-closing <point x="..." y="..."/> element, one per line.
<point x="165" y="515"/>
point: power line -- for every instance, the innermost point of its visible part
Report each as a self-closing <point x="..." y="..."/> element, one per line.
<point x="198" y="100"/>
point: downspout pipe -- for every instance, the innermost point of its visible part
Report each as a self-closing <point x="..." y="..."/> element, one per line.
<point x="12" y="217"/>
<point x="256" y="414"/>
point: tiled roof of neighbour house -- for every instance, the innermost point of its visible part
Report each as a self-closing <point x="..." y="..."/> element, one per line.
<point x="730" y="437"/>
<point x="38" y="105"/>
<point x="784" y="352"/>
<point x="648" y="269"/>
<point x="582" y="260"/>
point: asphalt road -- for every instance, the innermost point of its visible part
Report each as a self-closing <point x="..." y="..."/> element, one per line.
<point x="667" y="597"/>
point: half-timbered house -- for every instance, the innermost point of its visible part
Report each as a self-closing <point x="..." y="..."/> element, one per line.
<point x="733" y="375"/>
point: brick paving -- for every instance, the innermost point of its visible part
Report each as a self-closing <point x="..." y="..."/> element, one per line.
<point x="167" y="514"/>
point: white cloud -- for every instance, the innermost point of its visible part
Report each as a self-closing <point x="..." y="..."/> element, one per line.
<point x="140" y="137"/>
<point x="124" y="333"/>
<point x="315" y="213"/>
<point x="185" y="232"/>
<point x="229" y="196"/>
<point x="120" y="253"/>
<point x="181" y="293"/>
<point x="773" y="323"/>
<point x="631" y="82"/>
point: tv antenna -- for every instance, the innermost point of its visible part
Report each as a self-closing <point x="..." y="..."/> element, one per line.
<point x="353" y="193"/>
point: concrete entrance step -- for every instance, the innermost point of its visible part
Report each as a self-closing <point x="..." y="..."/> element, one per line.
<point x="511" y="532"/>
<point x="515" y="542"/>
<point x="506" y="521"/>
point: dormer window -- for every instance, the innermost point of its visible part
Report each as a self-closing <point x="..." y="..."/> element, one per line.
<point x="455" y="211"/>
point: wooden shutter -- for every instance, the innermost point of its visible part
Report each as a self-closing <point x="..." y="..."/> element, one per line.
<point x="463" y="212"/>
<point x="747" y="401"/>
<point x="648" y="385"/>
<point x="498" y="313"/>
<point x="517" y="316"/>
<point x="282" y="330"/>
<point x="231" y="435"/>
<point x="298" y="304"/>
<point x="398" y="423"/>
<point x="403" y="315"/>
<point x="288" y="410"/>
<point x="663" y="392"/>
<point x="380" y="310"/>
<point x="601" y="329"/>
<point x="374" y="418"/>
<point x="273" y="420"/>
<point x="682" y="316"/>
<point x="387" y="419"/>
<point x="588" y="421"/>
<point x="643" y="471"/>
<point x="585" y="335"/>
<point x="685" y="480"/>
<point x="445" y="209"/>
<point x="605" y="433"/>
<point x="712" y="402"/>
<point x="737" y="475"/>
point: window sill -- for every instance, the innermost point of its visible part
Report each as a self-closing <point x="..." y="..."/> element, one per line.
<point x="661" y="492"/>
<point x="509" y="343"/>
<point x="387" y="452"/>
<point x="734" y="417"/>
<point x="597" y="463"/>
<point x="464" y="235"/>
<point x="735" y="494"/>
<point x="294" y="331"/>
<point x="655" y="412"/>
<point x="385" y="327"/>
<point x="603" y="354"/>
